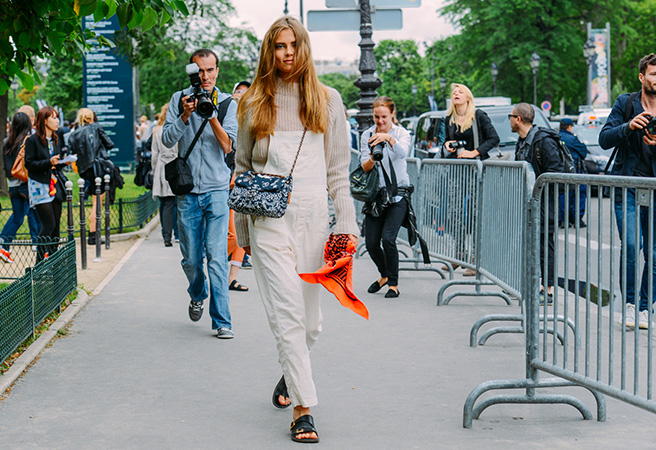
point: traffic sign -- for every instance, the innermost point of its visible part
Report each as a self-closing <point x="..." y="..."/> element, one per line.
<point x="546" y="106"/>
<point x="377" y="3"/>
<point x="349" y="20"/>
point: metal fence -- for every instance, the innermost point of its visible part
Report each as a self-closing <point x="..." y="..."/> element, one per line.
<point x="31" y="298"/>
<point x="596" y="269"/>
<point x="125" y="213"/>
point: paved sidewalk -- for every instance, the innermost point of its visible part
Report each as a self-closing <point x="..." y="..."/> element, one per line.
<point x="135" y="373"/>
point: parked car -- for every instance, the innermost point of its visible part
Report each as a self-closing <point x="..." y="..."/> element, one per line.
<point x="427" y="142"/>
<point x="596" y="117"/>
<point x="597" y="157"/>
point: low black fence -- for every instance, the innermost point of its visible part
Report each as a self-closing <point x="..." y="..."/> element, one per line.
<point x="38" y="292"/>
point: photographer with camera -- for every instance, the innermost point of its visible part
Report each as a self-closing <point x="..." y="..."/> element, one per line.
<point x="203" y="213"/>
<point x="469" y="134"/>
<point x="386" y="146"/>
<point x="631" y="129"/>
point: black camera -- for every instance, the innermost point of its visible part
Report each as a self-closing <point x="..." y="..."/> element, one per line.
<point x="458" y="144"/>
<point x="377" y="151"/>
<point x="204" y="107"/>
<point x="651" y="126"/>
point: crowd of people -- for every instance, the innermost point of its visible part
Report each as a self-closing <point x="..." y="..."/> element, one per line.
<point x="287" y="121"/>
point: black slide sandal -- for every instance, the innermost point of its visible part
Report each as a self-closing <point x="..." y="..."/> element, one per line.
<point x="281" y="389"/>
<point x="303" y="425"/>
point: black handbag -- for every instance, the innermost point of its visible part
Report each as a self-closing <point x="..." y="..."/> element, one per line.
<point x="60" y="185"/>
<point x="178" y="174"/>
<point x="364" y="185"/>
<point x="263" y="194"/>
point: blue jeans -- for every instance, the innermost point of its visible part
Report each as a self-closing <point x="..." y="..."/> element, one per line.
<point x="575" y="213"/>
<point x="631" y="248"/>
<point x="203" y="227"/>
<point x="20" y="206"/>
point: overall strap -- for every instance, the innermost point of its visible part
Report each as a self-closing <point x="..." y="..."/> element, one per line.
<point x="299" y="151"/>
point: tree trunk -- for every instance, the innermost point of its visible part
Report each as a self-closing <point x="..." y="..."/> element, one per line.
<point x="4" y="105"/>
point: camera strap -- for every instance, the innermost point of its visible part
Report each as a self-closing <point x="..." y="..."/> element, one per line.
<point x="390" y="185"/>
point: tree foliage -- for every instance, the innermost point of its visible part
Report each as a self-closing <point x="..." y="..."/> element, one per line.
<point x="344" y="85"/>
<point x="40" y="29"/>
<point x="508" y="32"/>
<point x="401" y="67"/>
<point x="63" y="85"/>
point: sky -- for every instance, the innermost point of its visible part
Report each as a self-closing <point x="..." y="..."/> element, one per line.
<point x="421" y="24"/>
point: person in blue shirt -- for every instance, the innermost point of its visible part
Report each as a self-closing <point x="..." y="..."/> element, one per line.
<point x="579" y="151"/>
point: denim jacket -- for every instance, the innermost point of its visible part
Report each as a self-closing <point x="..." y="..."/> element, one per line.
<point x="617" y="133"/>
<point x="207" y="160"/>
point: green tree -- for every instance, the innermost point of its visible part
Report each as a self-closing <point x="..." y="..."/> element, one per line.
<point x="344" y="85"/>
<point x="401" y="67"/>
<point x="507" y="33"/>
<point x="63" y="85"/>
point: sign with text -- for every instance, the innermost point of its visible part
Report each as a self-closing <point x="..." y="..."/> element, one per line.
<point x="349" y="20"/>
<point x="107" y="90"/>
<point x="374" y="3"/>
<point x="600" y="68"/>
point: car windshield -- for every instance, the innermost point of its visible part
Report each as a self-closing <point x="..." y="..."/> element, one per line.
<point x="501" y="124"/>
<point x="587" y="135"/>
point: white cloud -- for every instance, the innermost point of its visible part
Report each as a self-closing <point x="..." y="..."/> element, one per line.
<point x="421" y="24"/>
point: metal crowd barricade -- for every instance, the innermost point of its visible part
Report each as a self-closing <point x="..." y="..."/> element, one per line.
<point x="416" y="261"/>
<point x="592" y="269"/>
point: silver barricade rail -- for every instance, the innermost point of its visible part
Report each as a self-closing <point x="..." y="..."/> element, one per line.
<point x="591" y="277"/>
<point x="500" y="257"/>
<point x="446" y="212"/>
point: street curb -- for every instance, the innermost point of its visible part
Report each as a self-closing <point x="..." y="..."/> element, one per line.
<point x="38" y="346"/>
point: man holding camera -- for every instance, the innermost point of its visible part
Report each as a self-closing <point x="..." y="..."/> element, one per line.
<point x="203" y="213"/>
<point x="631" y="130"/>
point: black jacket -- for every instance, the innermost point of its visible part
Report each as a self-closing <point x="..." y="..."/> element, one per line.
<point x="617" y="133"/>
<point x="89" y="143"/>
<point x="540" y="148"/>
<point x="37" y="159"/>
<point x="487" y="135"/>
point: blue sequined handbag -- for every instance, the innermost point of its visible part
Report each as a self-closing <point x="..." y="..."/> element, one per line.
<point x="263" y="194"/>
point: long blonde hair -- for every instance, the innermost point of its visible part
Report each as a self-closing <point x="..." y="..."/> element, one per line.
<point x="470" y="111"/>
<point x="259" y="99"/>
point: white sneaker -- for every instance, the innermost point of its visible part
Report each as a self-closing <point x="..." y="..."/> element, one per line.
<point x="643" y="321"/>
<point x="630" y="316"/>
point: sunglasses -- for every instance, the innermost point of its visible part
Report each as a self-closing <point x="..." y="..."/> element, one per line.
<point x="512" y="115"/>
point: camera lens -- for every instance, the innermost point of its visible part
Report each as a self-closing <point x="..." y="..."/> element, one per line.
<point x="204" y="107"/>
<point x="651" y="126"/>
<point x="377" y="152"/>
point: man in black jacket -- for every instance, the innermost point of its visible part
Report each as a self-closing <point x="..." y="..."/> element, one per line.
<point x="538" y="146"/>
<point x="636" y="157"/>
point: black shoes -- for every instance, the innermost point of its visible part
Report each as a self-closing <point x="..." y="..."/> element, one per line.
<point x="375" y="287"/>
<point x="168" y="244"/>
<point x="92" y="239"/>
<point x="195" y="310"/>
<point x="392" y="293"/>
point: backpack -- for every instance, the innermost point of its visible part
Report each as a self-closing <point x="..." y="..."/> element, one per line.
<point x="565" y="156"/>
<point x="221" y="113"/>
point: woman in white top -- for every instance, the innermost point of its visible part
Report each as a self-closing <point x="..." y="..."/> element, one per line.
<point x="287" y="105"/>
<point x="384" y="217"/>
<point x="161" y="155"/>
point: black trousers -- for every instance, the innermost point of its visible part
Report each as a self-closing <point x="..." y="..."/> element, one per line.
<point x="384" y="229"/>
<point x="167" y="216"/>
<point x="49" y="215"/>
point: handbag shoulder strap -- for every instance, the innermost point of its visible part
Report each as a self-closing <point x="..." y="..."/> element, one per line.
<point x="299" y="151"/>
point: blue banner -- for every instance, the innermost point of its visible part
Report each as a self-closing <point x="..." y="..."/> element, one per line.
<point x="108" y="91"/>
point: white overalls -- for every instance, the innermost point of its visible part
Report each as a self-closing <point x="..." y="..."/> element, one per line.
<point x="282" y="248"/>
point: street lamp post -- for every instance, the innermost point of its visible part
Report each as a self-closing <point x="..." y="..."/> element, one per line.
<point x="589" y="54"/>
<point x="494" y="70"/>
<point x="368" y="82"/>
<point x="414" y="100"/>
<point x="443" y="86"/>
<point x="535" y="65"/>
<point x="433" y="73"/>
<point x="14" y="87"/>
